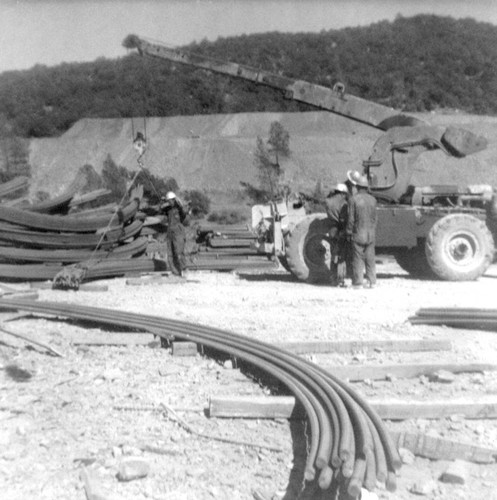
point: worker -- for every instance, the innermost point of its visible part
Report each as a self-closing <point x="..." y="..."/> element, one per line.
<point x="361" y="230"/>
<point x="336" y="208"/>
<point x="175" y="235"/>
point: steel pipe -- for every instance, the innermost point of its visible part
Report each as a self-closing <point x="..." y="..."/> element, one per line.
<point x="311" y="386"/>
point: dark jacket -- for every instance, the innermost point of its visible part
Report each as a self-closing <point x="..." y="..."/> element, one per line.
<point x="336" y="208"/>
<point x="362" y="218"/>
<point x="175" y="216"/>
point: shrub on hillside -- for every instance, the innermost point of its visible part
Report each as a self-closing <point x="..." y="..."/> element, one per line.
<point x="154" y="187"/>
<point x="199" y="202"/>
<point x="227" y="217"/>
<point x="115" y="179"/>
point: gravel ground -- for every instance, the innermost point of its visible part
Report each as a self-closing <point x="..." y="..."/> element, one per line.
<point x="97" y="405"/>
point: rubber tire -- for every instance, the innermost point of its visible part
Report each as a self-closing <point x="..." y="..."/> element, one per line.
<point x="414" y="261"/>
<point x="305" y="255"/>
<point x="471" y="233"/>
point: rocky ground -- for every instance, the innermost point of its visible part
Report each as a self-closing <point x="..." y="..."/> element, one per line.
<point x="80" y="417"/>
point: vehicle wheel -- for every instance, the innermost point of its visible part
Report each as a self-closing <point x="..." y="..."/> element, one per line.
<point x="459" y="247"/>
<point x="414" y="261"/>
<point x="308" y="249"/>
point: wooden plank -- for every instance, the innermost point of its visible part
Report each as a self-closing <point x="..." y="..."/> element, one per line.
<point x="110" y="338"/>
<point x="156" y="280"/>
<point x="84" y="287"/>
<point x="183" y="348"/>
<point x="350" y="346"/>
<point x="485" y="407"/>
<point x="436" y="448"/>
<point x="380" y="372"/>
<point x="254" y="407"/>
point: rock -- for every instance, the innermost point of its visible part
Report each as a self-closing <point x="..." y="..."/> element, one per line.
<point x="228" y="364"/>
<point x="456" y="473"/>
<point x="407" y="456"/>
<point x="133" y="468"/>
<point x="425" y="487"/>
<point x="480" y="429"/>
<point x="117" y="451"/>
<point x="112" y="374"/>
<point x="367" y="495"/>
<point x="360" y="358"/>
<point x="456" y="418"/>
<point x="130" y="450"/>
<point x="422" y="423"/>
<point x="443" y="377"/>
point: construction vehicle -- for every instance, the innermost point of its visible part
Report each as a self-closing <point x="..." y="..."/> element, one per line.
<point x="441" y="231"/>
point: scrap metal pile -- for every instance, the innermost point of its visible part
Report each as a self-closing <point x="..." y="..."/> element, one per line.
<point x="38" y="241"/>
<point x="57" y="240"/>
<point x="227" y="247"/>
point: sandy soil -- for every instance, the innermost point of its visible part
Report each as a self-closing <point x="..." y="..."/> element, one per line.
<point x="60" y="416"/>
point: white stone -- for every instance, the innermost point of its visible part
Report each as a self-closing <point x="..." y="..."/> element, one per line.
<point x="407" y="456"/>
<point x="423" y="487"/>
<point x="133" y="468"/>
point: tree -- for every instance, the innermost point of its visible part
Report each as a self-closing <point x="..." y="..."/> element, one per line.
<point x="267" y="158"/>
<point x="279" y="141"/>
<point x="115" y="178"/>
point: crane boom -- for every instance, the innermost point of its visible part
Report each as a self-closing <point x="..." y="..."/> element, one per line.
<point x="403" y="133"/>
<point x="335" y="100"/>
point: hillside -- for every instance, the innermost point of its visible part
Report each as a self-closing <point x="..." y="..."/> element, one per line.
<point x="421" y="63"/>
<point x="214" y="153"/>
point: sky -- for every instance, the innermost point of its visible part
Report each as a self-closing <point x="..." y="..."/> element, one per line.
<point x="50" y="32"/>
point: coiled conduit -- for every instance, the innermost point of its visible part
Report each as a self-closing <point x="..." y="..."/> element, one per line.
<point x="349" y="445"/>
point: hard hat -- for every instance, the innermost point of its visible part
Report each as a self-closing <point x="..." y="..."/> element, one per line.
<point x="357" y="178"/>
<point x="170" y="196"/>
<point x="341" y="188"/>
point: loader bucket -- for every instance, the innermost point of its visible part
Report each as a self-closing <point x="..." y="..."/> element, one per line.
<point x="461" y="142"/>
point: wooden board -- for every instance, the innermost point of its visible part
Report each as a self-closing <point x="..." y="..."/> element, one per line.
<point x="255" y="407"/>
<point x="84" y="287"/>
<point x="183" y="348"/>
<point x="350" y="346"/>
<point x="380" y="372"/>
<point x="111" y="338"/>
<point x="485" y="407"/>
<point x="436" y="448"/>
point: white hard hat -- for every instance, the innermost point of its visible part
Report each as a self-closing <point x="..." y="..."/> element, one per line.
<point x="357" y="178"/>
<point x="170" y="196"/>
<point x="341" y="188"/>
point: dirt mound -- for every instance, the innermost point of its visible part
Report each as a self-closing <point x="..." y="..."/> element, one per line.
<point x="215" y="152"/>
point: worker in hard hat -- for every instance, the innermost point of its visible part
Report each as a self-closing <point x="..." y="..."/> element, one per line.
<point x="175" y="234"/>
<point x="361" y="230"/>
<point x="336" y="208"/>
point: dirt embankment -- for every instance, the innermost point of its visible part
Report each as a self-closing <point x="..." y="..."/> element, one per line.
<point x="215" y="152"/>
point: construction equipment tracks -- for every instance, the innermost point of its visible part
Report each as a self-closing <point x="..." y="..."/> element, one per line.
<point x="349" y="446"/>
